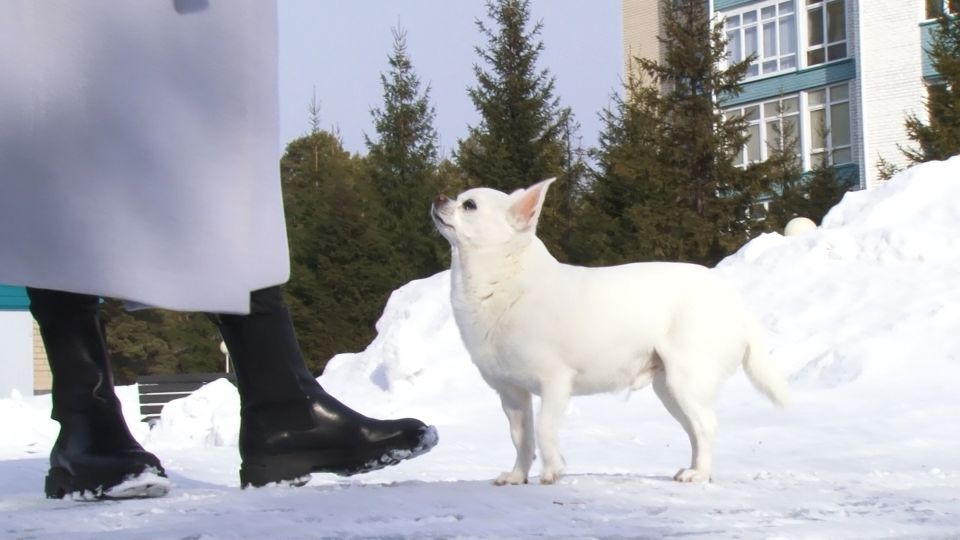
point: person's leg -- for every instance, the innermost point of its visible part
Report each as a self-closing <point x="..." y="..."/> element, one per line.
<point x="289" y="426"/>
<point x="94" y="454"/>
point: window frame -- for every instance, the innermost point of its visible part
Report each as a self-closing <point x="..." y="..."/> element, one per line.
<point x="943" y="6"/>
<point x="824" y="25"/>
<point x="806" y="135"/>
<point x="763" y="122"/>
<point x="829" y="149"/>
<point x="779" y="19"/>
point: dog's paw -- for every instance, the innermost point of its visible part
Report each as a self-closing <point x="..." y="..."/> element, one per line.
<point x="691" y="475"/>
<point x="549" y="477"/>
<point x="511" y="478"/>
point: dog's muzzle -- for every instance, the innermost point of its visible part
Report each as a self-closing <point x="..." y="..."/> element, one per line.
<point x="440" y="202"/>
<point x="437" y="218"/>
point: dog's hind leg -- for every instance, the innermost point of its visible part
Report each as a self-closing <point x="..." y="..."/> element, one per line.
<point x="554" y="396"/>
<point x="694" y="411"/>
<point x="517" y="405"/>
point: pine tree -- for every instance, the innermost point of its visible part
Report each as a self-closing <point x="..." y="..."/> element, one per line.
<point x="798" y="194"/>
<point x="403" y="162"/>
<point x="785" y="171"/>
<point x="341" y="269"/>
<point x="940" y="138"/>
<point x="134" y="344"/>
<point x="519" y="139"/>
<point x="793" y="192"/>
<point x="666" y="180"/>
<point x="630" y="198"/>
<point x="155" y="341"/>
<point x="560" y="221"/>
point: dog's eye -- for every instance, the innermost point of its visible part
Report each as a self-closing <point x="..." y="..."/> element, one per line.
<point x="469" y="205"/>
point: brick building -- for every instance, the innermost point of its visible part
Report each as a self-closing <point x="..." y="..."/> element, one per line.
<point x="842" y="75"/>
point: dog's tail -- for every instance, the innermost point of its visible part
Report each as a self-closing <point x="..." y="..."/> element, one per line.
<point x="760" y="369"/>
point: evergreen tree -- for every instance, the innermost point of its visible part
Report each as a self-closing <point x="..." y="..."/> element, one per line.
<point x="886" y="169"/>
<point x="519" y="139"/>
<point x="940" y="138"/>
<point x="155" y="341"/>
<point x="342" y="269"/>
<point x="785" y="171"/>
<point x="629" y="193"/>
<point x="561" y="219"/>
<point x="666" y="184"/>
<point x="793" y="192"/>
<point x="403" y="162"/>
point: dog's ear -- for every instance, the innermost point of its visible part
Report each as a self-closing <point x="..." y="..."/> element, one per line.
<point x="525" y="209"/>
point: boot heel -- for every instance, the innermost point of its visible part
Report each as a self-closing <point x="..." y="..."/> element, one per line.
<point x="280" y="469"/>
<point x="58" y="483"/>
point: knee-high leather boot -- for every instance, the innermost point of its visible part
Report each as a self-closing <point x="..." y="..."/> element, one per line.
<point x="94" y="455"/>
<point x="289" y="426"/>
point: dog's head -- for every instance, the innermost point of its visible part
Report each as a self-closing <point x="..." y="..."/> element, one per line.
<point x="487" y="218"/>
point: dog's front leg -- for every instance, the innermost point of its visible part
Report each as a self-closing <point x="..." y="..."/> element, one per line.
<point x="554" y="396"/>
<point x="518" y="406"/>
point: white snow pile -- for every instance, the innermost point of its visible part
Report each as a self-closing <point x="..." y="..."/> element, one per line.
<point x="864" y="318"/>
<point x="208" y="417"/>
<point x="872" y="296"/>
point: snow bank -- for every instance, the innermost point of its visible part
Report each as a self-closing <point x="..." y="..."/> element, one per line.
<point x="871" y="297"/>
<point x="28" y="429"/>
<point x="871" y="290"/>
<point x="208" y="417"/>
<point x="417" y="364"/>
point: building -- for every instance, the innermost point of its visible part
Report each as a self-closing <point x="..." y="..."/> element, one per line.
<point x="841" y="74"/>
<point x="23" y="361"/>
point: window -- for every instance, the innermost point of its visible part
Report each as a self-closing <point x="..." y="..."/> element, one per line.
<point x="826" y="31"/>
<point x="935" y="8"/>
<point x="824" y="122"/>
<point x="829" y="119"/>
<point x="769" y="125"/>
<point x="768" y="31"/>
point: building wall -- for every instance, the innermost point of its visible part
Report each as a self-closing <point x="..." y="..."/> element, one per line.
<point x="641" y="26"/>
<point x="890" y="75"/>
<point x="16" y="353"/>
<point x="42" y="379"/>
<point x="885" y="61"/>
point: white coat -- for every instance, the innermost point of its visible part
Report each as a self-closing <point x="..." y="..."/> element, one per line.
<point x="139" y="150"/>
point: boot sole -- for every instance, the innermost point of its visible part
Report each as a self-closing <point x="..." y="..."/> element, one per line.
<point x="295" y="468"/>
<point x="148" y="484"/>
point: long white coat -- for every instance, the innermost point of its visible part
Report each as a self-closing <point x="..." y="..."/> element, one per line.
<point x="139" y="150"/>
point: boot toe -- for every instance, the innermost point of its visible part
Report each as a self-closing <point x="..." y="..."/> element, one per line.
<point x="378" y="444"/>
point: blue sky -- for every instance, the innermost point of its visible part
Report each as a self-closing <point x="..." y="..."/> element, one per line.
<point x="340" y="48"/>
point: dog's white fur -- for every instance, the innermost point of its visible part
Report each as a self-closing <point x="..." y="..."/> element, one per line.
<point x="535" y="326"/>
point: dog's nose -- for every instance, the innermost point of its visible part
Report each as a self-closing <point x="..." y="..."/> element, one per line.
<point x="441" y="200"/>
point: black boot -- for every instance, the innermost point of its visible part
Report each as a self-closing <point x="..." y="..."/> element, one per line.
<point x="94" y="455"/>
<point x="289" y="426"/>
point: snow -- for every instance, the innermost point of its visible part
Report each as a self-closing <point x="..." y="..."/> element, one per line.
<point x="863" y="315"/>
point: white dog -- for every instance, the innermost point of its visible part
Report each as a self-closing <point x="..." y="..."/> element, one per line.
<point x="535" y="326"/>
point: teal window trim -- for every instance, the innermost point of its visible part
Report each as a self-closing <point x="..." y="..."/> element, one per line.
<point x="847" y="175"/>
<point x="13" y="298"/>
<point x="791" y="83"/>
<point x="720" y="5"/>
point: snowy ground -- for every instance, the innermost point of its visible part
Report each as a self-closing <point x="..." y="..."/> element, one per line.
<point x="864" y="316"/>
